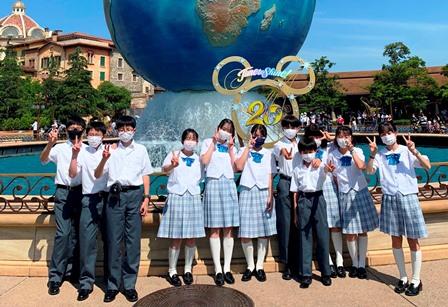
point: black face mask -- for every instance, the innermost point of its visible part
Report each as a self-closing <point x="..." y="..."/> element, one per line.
<point x="72" y="134"/>
<point x="259" y="142"/>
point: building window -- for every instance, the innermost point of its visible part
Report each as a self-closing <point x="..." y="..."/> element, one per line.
<point x="120" y="77"/>
<point x="147" y="89"/>
<point x="44" y="62"/>
<point x="134" y="78"/>
<point x="120" y="63"/>
<point x="31" y="63"/>
<point x="90" y="57"/>
<point x="57" y="61"/>
<point x="103" y="61"/>
<point x="102" y="76"/>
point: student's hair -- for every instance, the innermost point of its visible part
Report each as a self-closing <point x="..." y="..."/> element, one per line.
<point x="261" y="128"/>
<point x="306" y="143"/>
<point x="315" y="131"/>
<point x="290" y="121"/>
<point x="227" y="121"/>
<point x="97" y="125"/>
<point x="76" y="120"/>
<point x="125" y="120"/>
<point x="386" y="128"/>
<point x="345" y="130"/>
<point x="187" y="132"/>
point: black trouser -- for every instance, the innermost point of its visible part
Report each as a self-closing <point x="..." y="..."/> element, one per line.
<point x="312" y="215"/>
<point x="92" y="218"/>
<point x="287" y="235"/>
<point x="65" y="256"/>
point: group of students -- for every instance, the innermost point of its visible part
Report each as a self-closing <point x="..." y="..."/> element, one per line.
<point x="321" y="191"/>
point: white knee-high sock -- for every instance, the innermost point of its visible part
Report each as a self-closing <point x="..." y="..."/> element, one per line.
<point x="399" y="260"/>
<point x="362" y="250"/>
<point x="330" y="260"/>
<point x="228" y="251"/>
<point x="248" y="249"/>
<point x="353" y="250"/>
<point x="215" y="247"/>
<point x="173" y="255"/>
<point x="189" y="256"/>
<point x="262" y="246"/>
<point x="416" y="258"/>
<point x="336" y="237"/>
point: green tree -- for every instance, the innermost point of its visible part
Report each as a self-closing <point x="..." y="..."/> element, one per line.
<point x="11" y="85"/>
<point x="326" y="95"/>
<point x="114" y="100"/>
<point x="443" y="92"/>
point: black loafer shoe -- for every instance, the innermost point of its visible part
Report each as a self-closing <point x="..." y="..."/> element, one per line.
<point x="412" y="290"/>
<point x="188" y="278"/>
<point x="286" y="275"/>
<point x="306" y="282"/>
<point x="260" y="275"/>
<point x="228" y="277"/>
<point x="353" y="272"/>
<point x="362" y="273"/>
<point x="247" y="275"/>
<point x="341" y="272"/>
<point x="110" y="295"/>
<point x="53" y="287"/>
<point x="174" y="280"/>
<point x="401" y="286"/>
<point x="333" y="272"/>
<point x="83" y="294"/>
<point x="219" y="279"/>
<point x="326" y="280"/>
<point x="131" y="295"/>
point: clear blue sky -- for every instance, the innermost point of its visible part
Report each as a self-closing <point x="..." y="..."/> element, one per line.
<point x="352" y="33"/>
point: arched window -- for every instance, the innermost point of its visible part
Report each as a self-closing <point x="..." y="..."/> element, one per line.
<point x="37" y="33"/>
<point x="10" y="31"/>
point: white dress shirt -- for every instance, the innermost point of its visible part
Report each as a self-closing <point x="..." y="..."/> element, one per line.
<point x="220" y="163"/>
<point x="61" y="155"/>
<point x="258" y="168"/>
<point x="347" y="174"/>
<point x="88" y="161"/>
<point x="285" y="166"/>
<point x="307" y="179"/>
<point x="186" y="176"/>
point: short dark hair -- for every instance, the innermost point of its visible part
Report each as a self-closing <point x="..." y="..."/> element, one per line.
<point x="306" y="143"/>
<point x="125" y="120"/>
<point x="187" y="132"/>
<point x="290" y="121"/>
<point x="76" y="120"/>
<point x="261" y="128"/>
<point x="386" y="127"/>
<point x="343" y="130"/>
<point x="227" y="121"/>
<point x="313" y="130"/>
<point x="97" y="125"/>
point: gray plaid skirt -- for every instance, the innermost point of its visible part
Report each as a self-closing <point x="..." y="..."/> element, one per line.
<point x="221" y="203"/>
<point x="358" y="212"/>
<point x="182" y="217"/>
<point x="401" y="215"/>
<point x="330" y="191"/>
<point x="255" y="221"/>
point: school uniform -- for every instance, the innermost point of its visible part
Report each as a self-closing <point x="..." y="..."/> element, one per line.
<point x="255" y="221"/>
<point x="92" y="215"/>
<point x="357" y="208"/>
<point x="401" y="214"/>
<point x="127" y="166"/>
<point x="183" y="214"/>
<point x="67" y="207"/>
<point x="287" y="237"/>
<point x="312" y="214"/>
<point x="220" y="197"/>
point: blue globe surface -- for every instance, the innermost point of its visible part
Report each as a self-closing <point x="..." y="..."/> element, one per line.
<point x="177" y="43"/>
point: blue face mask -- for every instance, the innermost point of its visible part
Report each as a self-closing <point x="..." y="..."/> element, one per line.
<point x="259" y="142"/>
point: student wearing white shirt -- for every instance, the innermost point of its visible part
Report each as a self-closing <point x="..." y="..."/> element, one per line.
<point x="401" y="214"/>
<point x="94" y="192"/>
<point x="257" y="216"/>
<point x="359" y="215"/>
<point x="330" y="191"/>
<point x="128" y="168"/>
<point x="67" y="203"/>
<point x="310" y="213"/>
<point x="284" y="152"/>
<point x="221" y="211"/>
<point x="183" y="214"/>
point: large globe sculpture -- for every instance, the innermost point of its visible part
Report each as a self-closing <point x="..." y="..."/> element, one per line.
<point x="177" y="43"/>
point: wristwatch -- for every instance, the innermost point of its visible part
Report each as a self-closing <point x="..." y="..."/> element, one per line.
<point x="146" y="196"/>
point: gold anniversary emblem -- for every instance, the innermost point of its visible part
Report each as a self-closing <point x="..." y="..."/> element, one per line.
<point x="261" y="96"/>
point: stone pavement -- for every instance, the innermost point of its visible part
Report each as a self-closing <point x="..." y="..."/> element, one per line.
<point x="377" y="290"/>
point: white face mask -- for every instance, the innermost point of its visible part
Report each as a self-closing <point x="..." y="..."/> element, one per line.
<point x="290" y="133"/>
<point x="389" y="139"/>
<point x="308" y="157"/>
<point x="342" y="142"/>
<point x="318" y="142"/>
<point x="224" y="135"/>
<point x="190" y="145"/>
<point x="94" y="141"/>
<point x="126" y="137"/>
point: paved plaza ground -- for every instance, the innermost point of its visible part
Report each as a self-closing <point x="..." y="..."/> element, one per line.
<point x="377" y="290"/>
